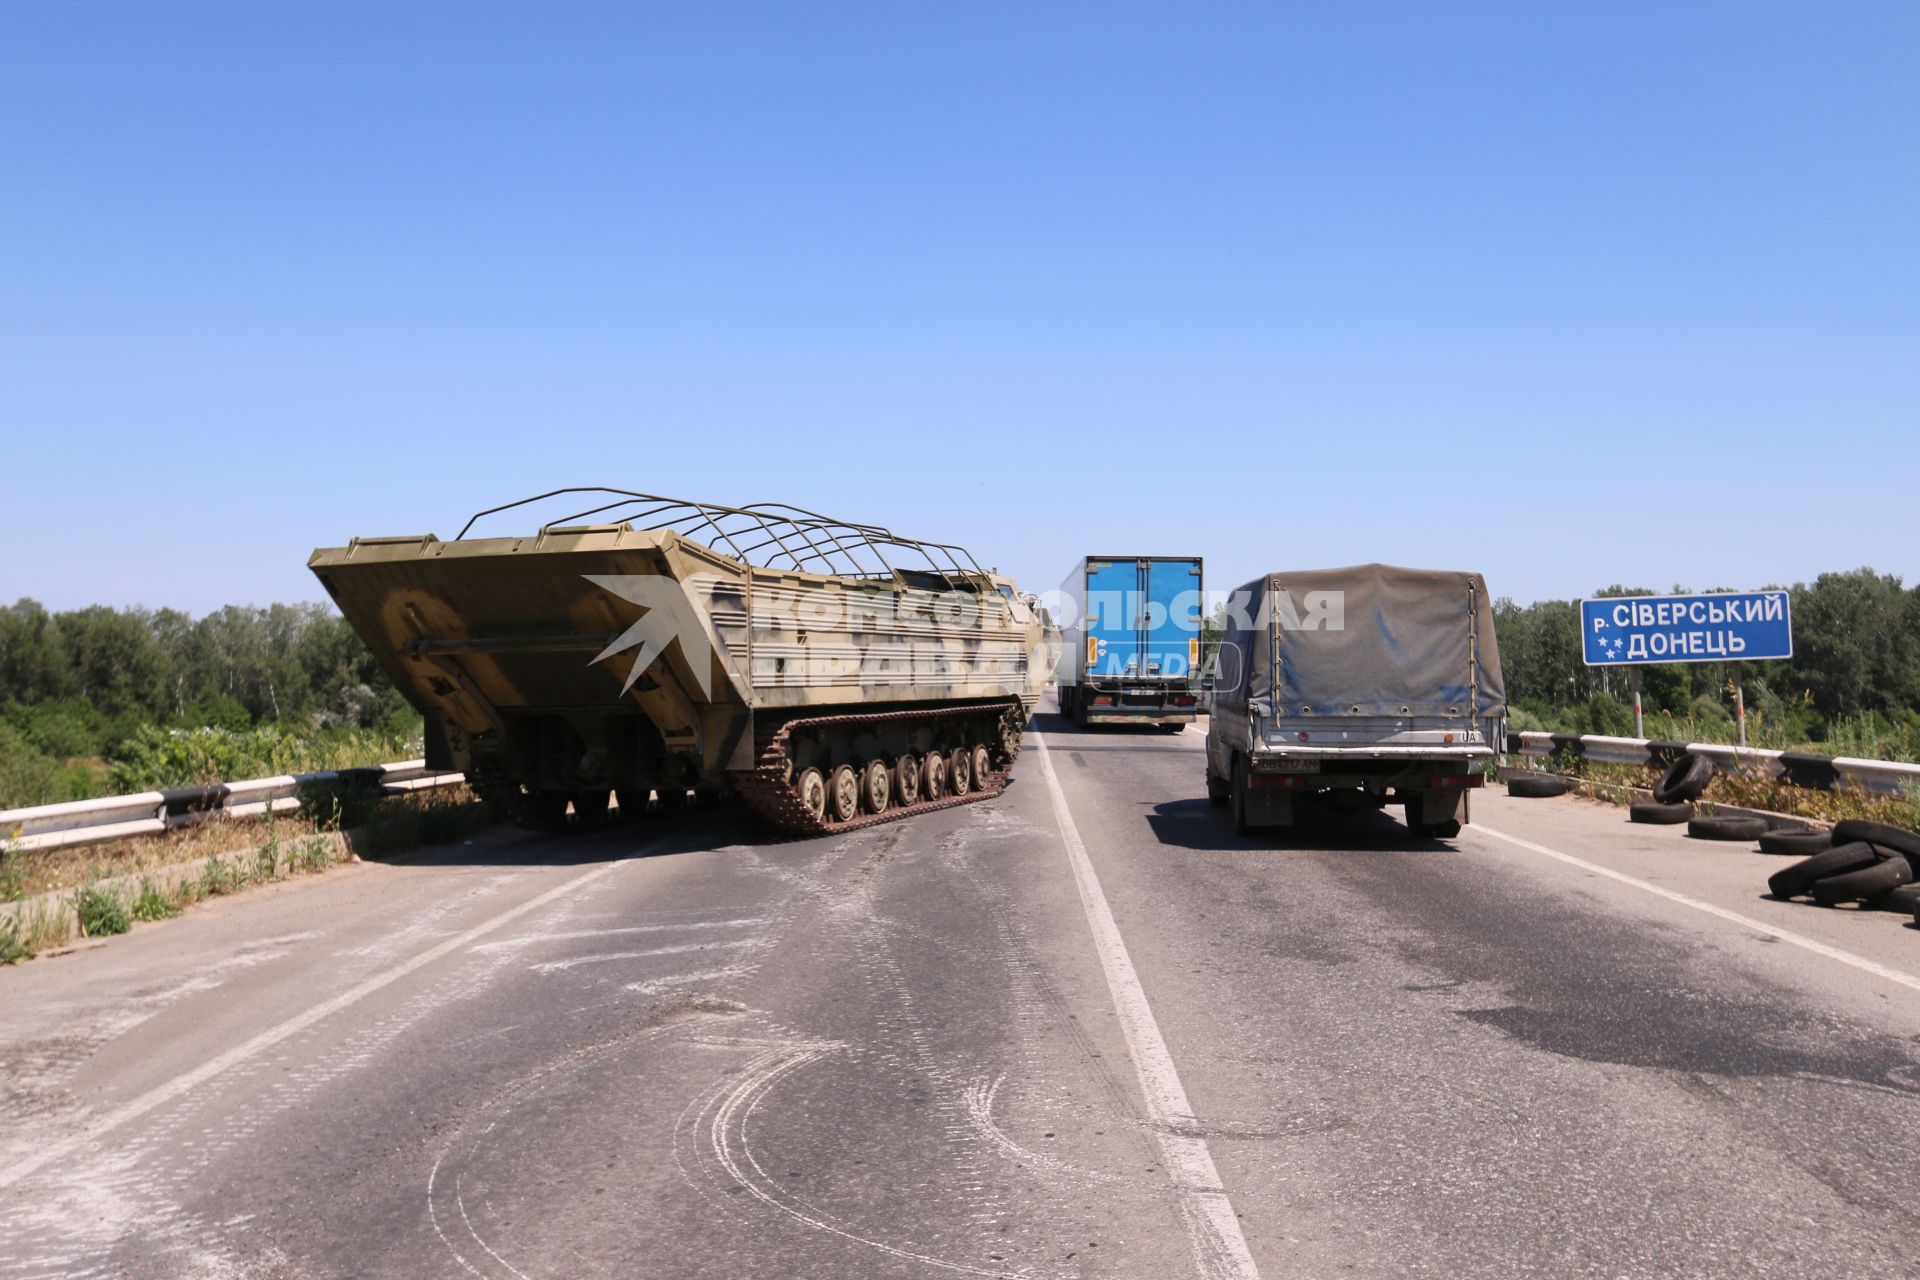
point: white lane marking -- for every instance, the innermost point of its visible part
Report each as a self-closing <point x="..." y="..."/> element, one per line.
<point x="1213" y="1230"/>
<point x="604" y="957"/>
<point x="528" y="939"/>
<point x="187" y="1081"/>
<point x="1748" y="922"/>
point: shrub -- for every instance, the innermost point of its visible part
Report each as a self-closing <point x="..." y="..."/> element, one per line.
<point x="100" y="911"/>
<point x="150" y="904"/>
<point x="13" y="948"/>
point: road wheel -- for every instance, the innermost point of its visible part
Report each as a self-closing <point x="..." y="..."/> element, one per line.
<point x="1662" y="815"/>
<point x="959" y="771"/>
<point x="1727" y="826"/>
<point x="1218" y="792"/>
<point x="1540" y="788"/>
<point x="632" y="802"/>
<point x="1800" y="844"/>
<point x="1858" y="886"/>
<point x="547" y="810"/>
<point x="843" y="794"/>
<point x="590" y="806"/>
<point x="1791" y="882"/>
<point x="811" y="788"/>
<point x="1174" y="728"/>
<point x="670" y="799"/>
<point x="1241" y="827"/>
<point x="1417" y="826"/>
<point x="877" y="783"/>
<point x="1684" y="779"/>
<point x="933" y="776"/>
<point x="906" y="778"/>
<point x="982" y="765"/>
<point x="1445" y="830"/>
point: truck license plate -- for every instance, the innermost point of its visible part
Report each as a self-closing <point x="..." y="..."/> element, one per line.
<point x="1290" y="764"/>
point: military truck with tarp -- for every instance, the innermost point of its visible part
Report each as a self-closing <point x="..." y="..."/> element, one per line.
<point x="1356" y="688"/>
<point x="1132" y="641"/>
<point x="644" y="649"/>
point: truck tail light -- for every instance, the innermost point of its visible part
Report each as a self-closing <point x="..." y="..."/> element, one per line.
<point x="1456" y="780"/>
<point x="1102" y="701"/>
<point x="1184" y="700"/>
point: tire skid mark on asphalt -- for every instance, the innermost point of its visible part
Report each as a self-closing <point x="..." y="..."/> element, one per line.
<point x="838" y="903"/>
<point x="719" y="1128"/>
<point x="980" y="1095"/>
<point x="169" y="1159"/>
<point x="34" y="1077"/>
<point x="1041" y="1018"/>
<point x="468" y="1137"/>
<point x="1219" y="1247"/>
<point x="98" y="1197"/>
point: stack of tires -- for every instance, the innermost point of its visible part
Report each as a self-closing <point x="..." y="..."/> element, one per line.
<point x="1870" y="863"/>
<point x="1685" y="780"/>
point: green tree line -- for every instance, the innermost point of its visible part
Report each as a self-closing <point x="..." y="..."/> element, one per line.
<point x="1851" y="688"/>
<point x="97" y="700"/>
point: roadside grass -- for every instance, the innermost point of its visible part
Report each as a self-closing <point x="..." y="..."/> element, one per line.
<point x="13" y="948"/>
<point x="1747" y="791"/>
<point x="235" y="854"/>
<point x="151" y="904"/>
<point x="100" y="911"/>
<point x="389" y="824"/>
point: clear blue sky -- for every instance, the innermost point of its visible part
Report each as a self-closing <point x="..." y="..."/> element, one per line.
<point x="1570" y="294"/>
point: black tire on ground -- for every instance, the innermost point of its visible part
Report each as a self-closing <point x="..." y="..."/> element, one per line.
<point x="1905" y="900"/>
<point x="1800" y="844"/>
<point x="1218" y="793"/>
<point x="1726" y="827"/>
<point x="1791" y="882"/>
<point x="1445" y="830"/>
<point x="1684" y="779"/>
<point x="1539" y="788"/>
<point x="1664" y="815"/>
<point x="1867" y="882"/>
<point x="1891" y="838"/>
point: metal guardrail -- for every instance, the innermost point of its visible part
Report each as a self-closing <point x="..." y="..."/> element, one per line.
<point x="52" y="826"/>
<point x="1794" y="768"/>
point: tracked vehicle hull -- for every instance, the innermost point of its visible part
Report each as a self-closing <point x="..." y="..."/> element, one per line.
<point x="764" y="653"/>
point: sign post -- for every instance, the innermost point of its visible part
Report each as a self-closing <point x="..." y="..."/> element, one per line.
<point x="1730" y="626"/>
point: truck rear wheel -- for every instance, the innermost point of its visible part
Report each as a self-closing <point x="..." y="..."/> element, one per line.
<point x="1241" y="827"/>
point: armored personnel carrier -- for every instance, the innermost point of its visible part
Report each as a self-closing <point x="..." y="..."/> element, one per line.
<point x="831" y="674"/>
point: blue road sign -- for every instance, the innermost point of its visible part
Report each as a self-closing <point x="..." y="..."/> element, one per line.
<point x="1725" y="627"/>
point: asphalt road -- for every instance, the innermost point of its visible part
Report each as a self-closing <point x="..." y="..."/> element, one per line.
<point x="1079" y="1030"/>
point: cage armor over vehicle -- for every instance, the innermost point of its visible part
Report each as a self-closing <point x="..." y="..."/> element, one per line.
<point x="1357" y="687"/>
<point x="831" y="674"/>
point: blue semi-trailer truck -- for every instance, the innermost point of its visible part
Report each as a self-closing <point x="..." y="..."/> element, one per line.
<point x="1132" y="641"/>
